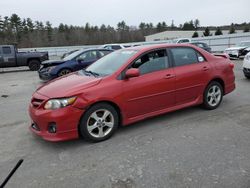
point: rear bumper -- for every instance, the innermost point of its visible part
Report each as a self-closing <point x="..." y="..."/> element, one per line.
<point x="229" y="88"/>
<point x="66" y="120"/>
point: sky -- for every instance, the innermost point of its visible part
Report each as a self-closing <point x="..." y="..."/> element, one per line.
<point x="133" y="12"/>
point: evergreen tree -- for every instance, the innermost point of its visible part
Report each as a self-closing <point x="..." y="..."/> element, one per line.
<point x="206" y="32"/>
<point x="246" y="29"/>
<point x="195" y="35"/>
<point x="232" y="29"/>
<point x="16" y="22"/>
<point x="218" y="31"/>
<point x="48" y="28"/>
<point x="30" y="24"/>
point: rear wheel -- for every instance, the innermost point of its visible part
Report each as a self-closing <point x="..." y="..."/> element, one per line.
<point x="64" y="72"/>
<point x="34" y="65"/>
<point x="213" y="95"/>
<point x="99" y="122"/>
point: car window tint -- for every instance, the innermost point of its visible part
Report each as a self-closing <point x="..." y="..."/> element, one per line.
<point x="116" y="47"/>
<point x="103" y="52"/>
<point x="151" y="62"/>
<point x="6" y="50"/>
<point x="88" y="56"/>
<point x="184" y="56"/>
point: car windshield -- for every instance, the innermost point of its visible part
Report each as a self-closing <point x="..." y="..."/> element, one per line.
<point x="111" y="63"/>
<point x="243" y="44"/>
<point x="73" y="55"/>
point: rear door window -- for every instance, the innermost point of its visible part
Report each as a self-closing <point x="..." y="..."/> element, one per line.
<point x="6" y="50"/>
<point x="184" y="56"/>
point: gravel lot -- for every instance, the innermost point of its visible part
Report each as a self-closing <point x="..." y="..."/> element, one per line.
<point x="188" y="148"/>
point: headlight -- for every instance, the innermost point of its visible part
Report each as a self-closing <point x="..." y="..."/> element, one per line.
<point x="50" y="68"/>
<point x="53" y="104"/>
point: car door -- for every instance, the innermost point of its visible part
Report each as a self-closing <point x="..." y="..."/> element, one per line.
<point x="153" y="90"/>
<point x="87" y="58"/>
<point x="192" y="73"/>
<point x="1" y="57"/>
<point x="8" y="56"/>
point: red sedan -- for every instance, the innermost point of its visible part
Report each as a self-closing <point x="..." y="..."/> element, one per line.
<point x="127" y="86"/>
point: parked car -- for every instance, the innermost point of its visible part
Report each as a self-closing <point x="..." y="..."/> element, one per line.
<point x="182" y="40"/>
<point x="245" y="51"/>
<point x="202" y="45"/>
<point x="126" y="86"/>
<point x="77" y="60"/>
<point x="10" y="57"/>
<point x="68" y="53"/>
<point x="113" y="46"/>
<point x="246" y="66"/>
<point x="238" y="51"/>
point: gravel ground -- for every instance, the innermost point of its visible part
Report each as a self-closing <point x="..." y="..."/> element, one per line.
<point x="188" y="148"/>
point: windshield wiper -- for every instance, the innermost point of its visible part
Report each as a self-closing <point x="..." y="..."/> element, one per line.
<point x="92" y="73"/>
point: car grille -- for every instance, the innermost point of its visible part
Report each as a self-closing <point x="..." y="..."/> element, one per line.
<point x="247" y="70"/>
<point x="36" y="102"/>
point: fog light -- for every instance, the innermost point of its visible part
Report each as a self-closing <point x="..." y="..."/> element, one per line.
<point x="52" y="127"/>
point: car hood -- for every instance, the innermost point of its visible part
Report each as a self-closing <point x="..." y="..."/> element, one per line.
<point x="52" y="62"/>
<point x="68" y="85"/>
<point x="236" y="48"/>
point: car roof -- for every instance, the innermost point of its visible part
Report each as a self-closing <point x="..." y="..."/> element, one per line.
<point x="155" y="46"/>
<point x="90" y="49"/>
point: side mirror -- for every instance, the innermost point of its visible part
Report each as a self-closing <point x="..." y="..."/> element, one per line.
<point x="130" y="73"/>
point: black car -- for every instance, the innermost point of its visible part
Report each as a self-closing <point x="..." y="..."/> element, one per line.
<point x="202" y="45"/>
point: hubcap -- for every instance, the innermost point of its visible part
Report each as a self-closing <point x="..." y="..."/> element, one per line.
<point x="100" y="123"/>
<point x="214" y="95"/>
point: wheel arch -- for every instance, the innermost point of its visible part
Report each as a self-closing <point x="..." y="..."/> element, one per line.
<point x="32" y="58"/>
<point x="220" y="81"/>
<point x="117" y="108"/>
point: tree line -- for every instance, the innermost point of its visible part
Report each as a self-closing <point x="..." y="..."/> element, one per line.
<point x="24" y="32"/>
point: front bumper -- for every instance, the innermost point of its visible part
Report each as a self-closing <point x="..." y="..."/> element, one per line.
<point x="45" y="75"/>
<point x="66" y="119"/>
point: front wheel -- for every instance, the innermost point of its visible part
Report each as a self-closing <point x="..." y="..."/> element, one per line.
<point x="99" y="122"/>
<point x="64" y="72"/>
<point x="212" y="96"/>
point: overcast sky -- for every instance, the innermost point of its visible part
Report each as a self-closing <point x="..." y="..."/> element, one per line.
<point x="97" y="12"/>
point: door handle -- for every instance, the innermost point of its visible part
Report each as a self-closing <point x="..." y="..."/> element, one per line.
<point x="168" y="76"/>
<point x="205" y="68"/>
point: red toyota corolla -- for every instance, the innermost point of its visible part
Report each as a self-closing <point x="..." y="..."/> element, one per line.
<point x="127" y="86"/>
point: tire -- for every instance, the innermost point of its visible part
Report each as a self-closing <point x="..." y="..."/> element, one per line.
<point x="212" y="96"/>
<point x="95" y="127"/>
<point x="248" y="77"/>
<point x="34" y="65"/>
<point x="63" y="72"/>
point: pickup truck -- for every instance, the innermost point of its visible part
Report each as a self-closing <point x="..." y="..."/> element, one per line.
<point x="10" y="57"/>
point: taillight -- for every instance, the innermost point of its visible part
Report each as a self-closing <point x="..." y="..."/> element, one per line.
<point x="231" y="65"/>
